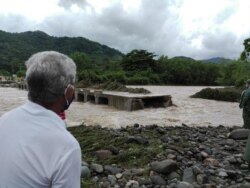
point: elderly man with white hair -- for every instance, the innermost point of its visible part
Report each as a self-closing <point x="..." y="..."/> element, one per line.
<point x="36" y="150"/>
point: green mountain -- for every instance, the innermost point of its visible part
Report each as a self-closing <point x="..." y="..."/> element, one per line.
<point x="217" y="60"/>
<point x="16" y="48"/>
<point x="182" y="58"/>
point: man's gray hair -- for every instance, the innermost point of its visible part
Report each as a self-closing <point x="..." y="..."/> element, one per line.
<point x="48" y="74"/>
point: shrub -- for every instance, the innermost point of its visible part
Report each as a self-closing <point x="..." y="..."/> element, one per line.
<point x="140" y="80"/>
<point x="230" y="94"/>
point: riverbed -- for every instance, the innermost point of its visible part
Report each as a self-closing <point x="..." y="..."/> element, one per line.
<point x="190" y="111"/>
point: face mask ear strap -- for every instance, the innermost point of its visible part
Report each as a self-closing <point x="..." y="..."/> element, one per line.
<point x="68" y="86"/>
<point x="66" y="89"/>
<point x="65" y="92"/>
<point x="67" y="102"/>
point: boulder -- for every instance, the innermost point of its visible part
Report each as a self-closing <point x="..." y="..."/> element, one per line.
<point x="165" y="167"/>
<point x="239" y="134"/>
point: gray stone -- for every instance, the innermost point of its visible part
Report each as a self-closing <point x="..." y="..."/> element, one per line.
<point x="85" y="172"/>
<point x="132" y="184"/>
<point x="240" y="180"/>
<point x="232" y="160"/>
<point x="170" y="151"/>
<point x="96" y="168"/>
<point x="183" y="184"/>
<point x="208" y="186"/>
<point x="118" y="175"/>
<point x="246" y="185"/>
<point x="161" y="130"/>
<point x="164" y="167"/>
<point x="158" y="180"/>
<point x="204" y="154"/>
<point x="197" y="170"/>
<point x="210" y="172"/>
<point x="137" y="139"/>
<point x="211" y="161"/>
<point x="239" y="134"/>
<point x="165" y="138"/>
<point x="112" y="169"/>
<point x="171" y="156"/>
<point x="105" y="184"/>
<point x="103" y="154"/>
<point x="134" y="172"/>
<point x="222" y="174"/>
<point x="230" y="142"/>
<point x="247" y="178"/>
<point x="244" y="166"/>
<point x="173" y="175"/>
<point x="201" y="178"/>
<point x="143" y="181"/>
<point x="188" y="175"/>
<point x="112" y="180"/>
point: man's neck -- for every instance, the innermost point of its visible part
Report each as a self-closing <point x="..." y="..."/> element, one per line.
<point x="55" y="107"/>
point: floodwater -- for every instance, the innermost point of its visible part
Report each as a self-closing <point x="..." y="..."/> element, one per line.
<point x="190" y="111"/>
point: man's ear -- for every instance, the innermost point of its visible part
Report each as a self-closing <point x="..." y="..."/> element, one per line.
<point x="69" y="92"/>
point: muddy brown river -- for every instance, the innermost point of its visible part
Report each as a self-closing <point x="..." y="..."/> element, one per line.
<point x="191" y="111"/>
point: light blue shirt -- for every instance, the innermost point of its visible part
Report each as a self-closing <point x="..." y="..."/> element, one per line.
<point x="36" y="150"/>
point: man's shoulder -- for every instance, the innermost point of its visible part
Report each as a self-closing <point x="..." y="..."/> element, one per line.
<point x="68" y="139"/>
<point x="16" y="111"/>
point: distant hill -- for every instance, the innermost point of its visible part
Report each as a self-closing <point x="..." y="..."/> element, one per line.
<point x="217" y="60"/>
<point x="182" y="58"/>
<point x="15" y="48"/>
<point x="211" y="60"/>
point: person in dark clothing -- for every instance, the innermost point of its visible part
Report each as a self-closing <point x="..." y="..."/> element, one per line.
<point x="245" y="105"/>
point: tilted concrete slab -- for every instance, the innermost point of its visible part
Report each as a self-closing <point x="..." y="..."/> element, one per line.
<point x="123" y="100"/>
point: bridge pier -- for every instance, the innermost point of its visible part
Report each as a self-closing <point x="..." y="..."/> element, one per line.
<point x="97" y="95"/>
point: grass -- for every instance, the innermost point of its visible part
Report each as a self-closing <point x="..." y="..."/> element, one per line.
<point x="130" y="155"/>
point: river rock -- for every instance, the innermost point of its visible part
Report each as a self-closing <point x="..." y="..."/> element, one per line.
<point x="112" y="180"/>
<point x="239" y="134"/>
<point x="164" y="167"/>
<point x="188" y="175"/>
<point x="132" y="184"/>
<point x="112" y="169"/>
<point x="211" y="161"/>
<point x="158" y="180"/>
<point x="184" y="184"/>
<point x="85" y="172"/>
<point x="137" y="139"/>
<point x="96" y="168"/>
<point x="103" y="154"/>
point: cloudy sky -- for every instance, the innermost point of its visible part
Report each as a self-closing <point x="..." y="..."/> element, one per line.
<point x="199" y="29"/>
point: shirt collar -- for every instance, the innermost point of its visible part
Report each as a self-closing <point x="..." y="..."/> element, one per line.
<point x="35" y="108"/>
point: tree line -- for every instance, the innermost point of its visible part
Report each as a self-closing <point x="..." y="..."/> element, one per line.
<point x="98" y="63"/>
<point x="141" y="67"/>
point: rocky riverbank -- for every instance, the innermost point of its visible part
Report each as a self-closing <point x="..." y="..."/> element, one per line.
<point x="154" y="156"/>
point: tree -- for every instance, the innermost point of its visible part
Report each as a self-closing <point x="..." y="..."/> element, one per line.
<point x="138" y="60"/>
<point x="246" y="53"/>
<point x="82" y="61"/>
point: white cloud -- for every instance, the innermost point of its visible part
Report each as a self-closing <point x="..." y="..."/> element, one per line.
<point x="194" y="28"/>
<point x="31" y="9"/>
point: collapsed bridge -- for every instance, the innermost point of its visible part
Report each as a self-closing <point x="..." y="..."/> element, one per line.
<point x="123" y="100"/>
<point x="120" y="100"/>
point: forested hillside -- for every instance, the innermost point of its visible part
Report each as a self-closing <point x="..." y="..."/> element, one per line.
<point x="98" y="63"/>
<point x="15" y="48"/>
